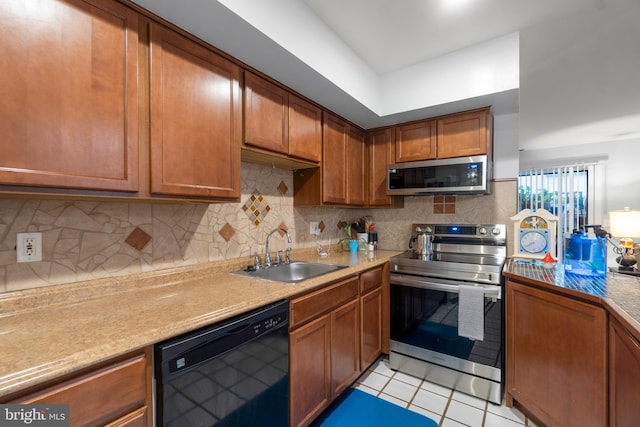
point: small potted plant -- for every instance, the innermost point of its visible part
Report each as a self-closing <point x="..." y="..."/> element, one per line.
<point x="350" y="237"/>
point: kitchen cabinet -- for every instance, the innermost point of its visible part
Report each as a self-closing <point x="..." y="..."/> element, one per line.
<point x="115" y="393"/>
<point x="70" y="95"/>
<point x="415" y="141"/>
<point x="371" y="309"/>
<point x="465" y="134"/>
<point x="556" y="356"/>
<point x="340" y="179"/>
<point x="324" y="357"/>
<point x="355" y="170"/>
<point x="196" y="119"/>
<point x="456" y="135"/>
<point x="624" y="376"/>
<point x="277" y="121"/>
<point x="380" y="154"/>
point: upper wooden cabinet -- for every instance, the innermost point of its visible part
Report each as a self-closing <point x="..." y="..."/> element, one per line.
<point x="380" y="153"/>
<point x="69" y="108"/>
<point x="416" y="141"/>
<point x="465" y="134"/>
<point x="343" y="158"/>
<point x="456" y="135"/>
<point x="340" y="178"/>
<point x="355" y="172"/>
<point x="334" y="160"/>
<point x="280" y="122"/>
<point x="196" y="119"/>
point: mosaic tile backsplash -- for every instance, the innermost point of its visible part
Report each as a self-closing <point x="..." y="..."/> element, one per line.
<point x="85" y="240"/>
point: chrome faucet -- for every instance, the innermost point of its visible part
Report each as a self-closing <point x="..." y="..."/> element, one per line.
<point x="267" y="257"/>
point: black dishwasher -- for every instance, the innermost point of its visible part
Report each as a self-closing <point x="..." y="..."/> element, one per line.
<point x="232" y="373"/>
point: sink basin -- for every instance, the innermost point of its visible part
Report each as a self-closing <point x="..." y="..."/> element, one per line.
<point x="293" y="272"/>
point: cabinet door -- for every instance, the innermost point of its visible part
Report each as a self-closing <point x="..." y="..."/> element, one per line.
<point x="416" y="141"/>
<point x="355" y="154"/>
<point x="556" y="357"/>
<point x="370" y="327"/>
<point x="196" y="122"/>
<point x="465" y="134"/>
<point x="309" y="370"/>
<point x="69" y="107"/>
<point x="381" y="155"/>
<point x="624" y="377"/>
<point x="334" y="164"/>
<point x="345" y="347"/>
<point x="305" y="129"/>
<point x="266" y="115"/>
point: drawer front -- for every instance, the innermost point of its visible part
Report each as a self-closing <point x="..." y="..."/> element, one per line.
<point x="370" y="280"/>
<point x="310" y="306"/>
<point x="101" y="396"/>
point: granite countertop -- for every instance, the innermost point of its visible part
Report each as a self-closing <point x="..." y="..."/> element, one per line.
<point x="53" y="331"/>
<point x="619" y="293"/>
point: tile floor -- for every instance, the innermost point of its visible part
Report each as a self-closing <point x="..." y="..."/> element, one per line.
<point x="449" y="408"/>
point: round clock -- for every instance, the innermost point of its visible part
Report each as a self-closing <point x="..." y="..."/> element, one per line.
<point x="534" y="234"/>
<point x="534" y="242"/>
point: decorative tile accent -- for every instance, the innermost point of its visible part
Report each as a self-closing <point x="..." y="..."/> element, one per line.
<point x="321" y="226"/>
<point x="227" y="232"/>
<point x="282" y="188"/>
<point x="444" y="205"/>
<point x="256" y="208"/>
<point x="138" y="239"/>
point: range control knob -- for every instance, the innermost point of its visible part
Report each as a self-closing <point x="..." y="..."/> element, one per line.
<point x="495" y="231"/>
<point x="482" y="230"/>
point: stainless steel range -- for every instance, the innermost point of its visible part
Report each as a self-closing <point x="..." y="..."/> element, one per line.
<point x="446" y="307"/>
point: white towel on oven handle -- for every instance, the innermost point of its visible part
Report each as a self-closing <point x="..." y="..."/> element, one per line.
<point x="471" y="312"/>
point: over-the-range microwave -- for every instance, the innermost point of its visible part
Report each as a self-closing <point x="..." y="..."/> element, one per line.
<point x="460" y="175"/>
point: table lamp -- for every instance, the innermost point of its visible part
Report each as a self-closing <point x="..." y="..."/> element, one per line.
<point x="625" y="225"/>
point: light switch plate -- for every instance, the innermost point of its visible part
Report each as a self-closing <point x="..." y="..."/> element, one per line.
<point x="29" y="247"/>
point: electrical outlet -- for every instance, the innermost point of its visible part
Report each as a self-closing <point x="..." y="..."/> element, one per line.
<point x="314" y="228"/>
<point x="29" y="247"/>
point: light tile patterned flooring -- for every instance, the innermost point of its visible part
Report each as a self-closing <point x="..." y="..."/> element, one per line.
<point x="449" y="408"/>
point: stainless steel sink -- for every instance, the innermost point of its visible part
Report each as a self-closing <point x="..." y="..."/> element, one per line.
<point x="293" y="272"/>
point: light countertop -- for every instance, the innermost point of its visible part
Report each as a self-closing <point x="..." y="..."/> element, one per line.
<point x="49" y="332"/>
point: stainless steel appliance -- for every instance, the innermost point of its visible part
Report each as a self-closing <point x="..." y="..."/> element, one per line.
<point x="437" y="333"/>
<point x="460" y="175"/>
<point x="234" y="373"/>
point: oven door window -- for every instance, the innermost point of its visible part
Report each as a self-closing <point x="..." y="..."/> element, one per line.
<point x="428" y="319"/>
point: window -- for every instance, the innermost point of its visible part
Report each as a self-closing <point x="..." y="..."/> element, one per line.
<point x="567" y="192"/>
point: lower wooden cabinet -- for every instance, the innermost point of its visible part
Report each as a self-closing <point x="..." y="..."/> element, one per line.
<point x="556" y="357"/>
<point x="336" y="333"/>
<point x="324" y="356"/>
<point x="371" y="315"/>
<point x="624" y="377"/>
<point x="116" y="393"/>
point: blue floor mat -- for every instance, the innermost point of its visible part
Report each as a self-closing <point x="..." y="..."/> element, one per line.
<point x="357" y="408"/>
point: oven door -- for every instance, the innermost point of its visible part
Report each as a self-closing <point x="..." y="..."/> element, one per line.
<point x="424" y="325"/>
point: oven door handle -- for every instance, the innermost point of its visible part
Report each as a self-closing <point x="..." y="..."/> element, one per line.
<point x="398" y="279"/>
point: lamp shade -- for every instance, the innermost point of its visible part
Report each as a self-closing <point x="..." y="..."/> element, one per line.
<point x="624" y="223"/>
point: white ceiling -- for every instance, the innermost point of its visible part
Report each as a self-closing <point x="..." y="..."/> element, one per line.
<point x="393" y="34"/>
